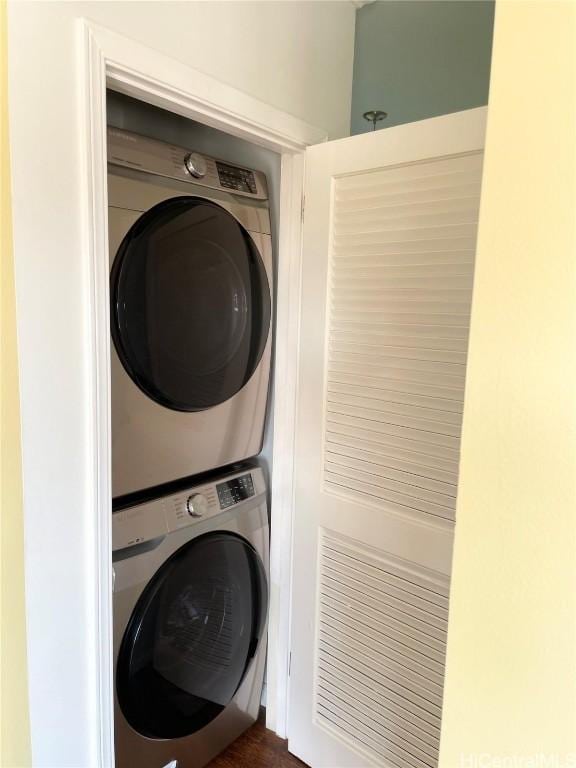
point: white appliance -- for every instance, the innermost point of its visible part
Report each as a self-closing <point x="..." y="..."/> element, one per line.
<point x="190" y="605"/>
<point x="191" y="308"/>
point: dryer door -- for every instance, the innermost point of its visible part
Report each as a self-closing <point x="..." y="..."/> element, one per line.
<point x="190" y="304"/>
<point x="192" y="636"/>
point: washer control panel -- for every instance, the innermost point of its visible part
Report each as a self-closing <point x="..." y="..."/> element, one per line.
<point x="235" y="490"/>
<point x="156" y="518"/>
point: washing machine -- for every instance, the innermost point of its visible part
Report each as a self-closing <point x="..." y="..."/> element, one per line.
<point x="190" y="607"/>
<point x="191" y="308"/>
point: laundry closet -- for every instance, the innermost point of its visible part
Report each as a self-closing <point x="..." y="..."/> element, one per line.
<point x="192" y="230"/>
<point x="376" y="276"/>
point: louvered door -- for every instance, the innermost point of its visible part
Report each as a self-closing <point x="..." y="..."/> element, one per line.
<point x="388" y="266"/>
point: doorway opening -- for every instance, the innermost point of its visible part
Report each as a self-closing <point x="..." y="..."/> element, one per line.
<point x="125" y="67"/>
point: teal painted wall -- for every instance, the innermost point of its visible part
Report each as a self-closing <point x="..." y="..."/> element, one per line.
<point x="420" y="58"/>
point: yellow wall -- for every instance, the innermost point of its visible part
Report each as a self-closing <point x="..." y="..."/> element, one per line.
<point x="511" y="669"/>
<point x="14" y="733"/>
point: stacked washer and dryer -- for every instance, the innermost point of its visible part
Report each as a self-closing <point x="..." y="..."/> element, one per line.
<point x="191" y="309"/>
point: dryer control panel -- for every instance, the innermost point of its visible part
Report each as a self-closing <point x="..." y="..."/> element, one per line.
<point x="156" y="518"/>
<point x="239" y="179"/>
<point x="140" y="153"/>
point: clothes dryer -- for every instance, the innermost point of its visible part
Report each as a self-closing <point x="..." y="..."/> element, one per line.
<point x="191" y="308"/>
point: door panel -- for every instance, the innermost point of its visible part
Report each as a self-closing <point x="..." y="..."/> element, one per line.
<point x="388" y="265"/>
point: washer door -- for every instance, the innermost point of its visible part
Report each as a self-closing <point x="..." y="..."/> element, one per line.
<point x="191" y="636"/>
<point x="190" y="304"/>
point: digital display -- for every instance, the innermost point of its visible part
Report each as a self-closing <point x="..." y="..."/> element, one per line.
<point x="233" y="491"/>
<point x="236" y="178"/>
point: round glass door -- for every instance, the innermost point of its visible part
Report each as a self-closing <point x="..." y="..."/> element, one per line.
<point x="190" y="304"/>
<point x="192" y="636"/>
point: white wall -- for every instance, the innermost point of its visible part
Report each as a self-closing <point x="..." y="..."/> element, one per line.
<point x="298" y="57"/>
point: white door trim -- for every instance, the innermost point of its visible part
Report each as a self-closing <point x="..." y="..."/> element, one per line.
<point x="111" y="60"/>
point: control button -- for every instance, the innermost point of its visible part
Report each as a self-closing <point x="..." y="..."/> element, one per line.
<point x="195" y="165"/>
<point x="197" y="505"/>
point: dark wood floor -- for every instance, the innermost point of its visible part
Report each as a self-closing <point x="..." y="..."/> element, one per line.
<point x="257" y="748"/>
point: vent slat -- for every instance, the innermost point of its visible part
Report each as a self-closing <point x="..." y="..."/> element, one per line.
<point x="446" y="174"/>
<point x="435" y="440"/>
<point x="355" y="563"/>
<point x="436" y="168"/>
<point x="389" y="258"/>
<point x="381" y="605"/>
<point x="449" y="409"/>
<point x="374" y="401"/>
<point x="396" y="740"/>
<point x="400" y="723"/>
<point x="442" y="374"/>
<point x="383" y="320"/>
<point x="404" y="645"/>
<point x="379" y="223"/>
<point x="341" y="425"/>
<point x="377" y="196"/>
<point x="366" y="738"/>
<point x="417" y="236"/>
<point x="439" y="185"/>
<point x="403" y="309"/>
<point x="393" y="423"/>
<point x="408" y="494"/>
<point x="331" y="667"/>
<point x="429" y="331"/>
<point x="341" y="574"/>
<point x="410" y="417"/>
<point x="393" y="674"/>
<point x="378" y="339"/>
<point x="396" y="397"/>
<point x="390" y="623"/>
<point x="358" y="248"/>
<point x="405" y="666"/>
<point x="450" y="394"/>
<point x="399" y="210"/>
<point x="385" y="293"/>
<point x="381" y="369"/>
<point x="373" y="453"/>
<point x="408" y="734"/>
<point x="381" y="469"/>
<point x="343" y="484"/>
<point x="376" y="269"/>
<point x="396" y="354"/>
<point x="380" y="656"/>
<point x="399" y="281"/>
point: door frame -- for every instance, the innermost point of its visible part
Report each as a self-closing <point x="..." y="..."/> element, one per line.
<point x="108" y="59"/>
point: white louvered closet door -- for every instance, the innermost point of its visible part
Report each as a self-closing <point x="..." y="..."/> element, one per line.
<point x="390" y="229"/>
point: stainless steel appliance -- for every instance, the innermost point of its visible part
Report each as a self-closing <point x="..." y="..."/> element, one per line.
<point x="191" y="308"/>
<point x="190" y="605"/>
